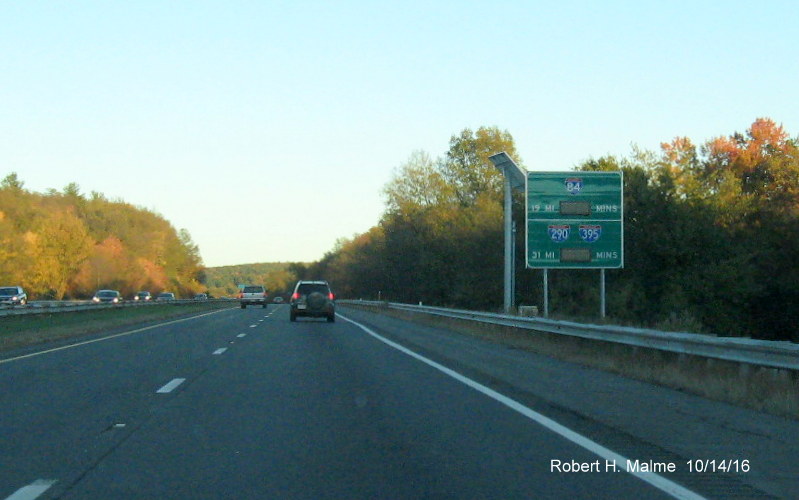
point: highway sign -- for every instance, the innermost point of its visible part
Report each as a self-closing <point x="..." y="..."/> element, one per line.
<point x="575" y="220"/>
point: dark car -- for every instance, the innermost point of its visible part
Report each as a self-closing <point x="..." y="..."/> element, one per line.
<point x="13" y="296"/>
<point x="314" y="299"/>
<point x="112" y="296"/>
<point x="143" y="296"/>
<point x="165" y="297"/>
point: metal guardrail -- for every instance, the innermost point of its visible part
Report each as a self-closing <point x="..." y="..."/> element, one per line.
<point x="772" y="354"/>
<point x="62" y="306"/>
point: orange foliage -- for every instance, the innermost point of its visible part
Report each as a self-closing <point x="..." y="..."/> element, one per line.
<point x="744" y="153"/>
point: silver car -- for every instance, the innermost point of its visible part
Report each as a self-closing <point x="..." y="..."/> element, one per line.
<point x="13" y="296"/>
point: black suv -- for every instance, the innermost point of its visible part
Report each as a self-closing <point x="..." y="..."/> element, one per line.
<point x="312" y="298"/>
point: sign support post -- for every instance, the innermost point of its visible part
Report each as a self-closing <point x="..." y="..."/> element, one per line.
<point x="602" y="293"/>
<point x="516" y="178"/>
<point x="546" y="293"/>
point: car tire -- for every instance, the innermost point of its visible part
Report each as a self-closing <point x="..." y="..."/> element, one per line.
<point x="244" y="306"/>
<point x="292" y="317"/>
<point x="264" y="305"/>
<point x="331" y="318"/>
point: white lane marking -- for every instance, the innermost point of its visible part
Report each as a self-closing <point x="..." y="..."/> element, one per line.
<point x="138" y="330"/>
<point x="171" y="385"/>
<point x="659" y="482"/>
<point x="220" y="350"/>
<point x="241" y="335"/>
<point x="253" y="326"/>
<point x="33" y="490"/>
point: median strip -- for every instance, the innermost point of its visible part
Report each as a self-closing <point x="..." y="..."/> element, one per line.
<point x="109" y="337"/>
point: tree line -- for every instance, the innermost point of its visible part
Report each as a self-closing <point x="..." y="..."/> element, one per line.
<point x="63" y="244"/>
<point x="711" y="236"/>
<point x="224" y="281"/>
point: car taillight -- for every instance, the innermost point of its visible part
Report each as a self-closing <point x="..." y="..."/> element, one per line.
<point x="295" y="296"/>
<point x="330" y="296"/>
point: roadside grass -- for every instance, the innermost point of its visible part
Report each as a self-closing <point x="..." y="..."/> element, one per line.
<point x="32" y="329"/>
<point x="764" y="389"/>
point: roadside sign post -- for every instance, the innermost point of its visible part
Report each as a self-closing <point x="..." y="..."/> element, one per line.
<point x="575" y="220"/>
<point x="515" y="178"/>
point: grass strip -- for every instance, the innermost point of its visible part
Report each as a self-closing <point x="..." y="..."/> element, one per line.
<point x="32" y="329"/>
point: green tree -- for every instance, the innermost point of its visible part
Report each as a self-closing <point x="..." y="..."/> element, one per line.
<point x="466" y="167"/>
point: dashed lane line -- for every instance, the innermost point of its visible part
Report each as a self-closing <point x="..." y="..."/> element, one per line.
<point x="170" y="386"/>
<point x="33" y="490"/>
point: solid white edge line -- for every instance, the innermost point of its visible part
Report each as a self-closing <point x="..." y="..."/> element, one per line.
<point x="659" y="482"/>
<point x="170" y="386"/>
<point x="220" y="350"/>
<point x="33" y="490"/>
<point x="138" y="330"/>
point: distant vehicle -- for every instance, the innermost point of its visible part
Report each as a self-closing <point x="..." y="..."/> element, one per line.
<point x="143" y="296"/>
<point x="13" y="296"/>
<point x="278" y="300"/>
<point x="165" y="297"/>
<point x="201" y="296"/>
<point x="313" y="298"/>
<point x="252" y="294"/>
<point x="112" y="296"/>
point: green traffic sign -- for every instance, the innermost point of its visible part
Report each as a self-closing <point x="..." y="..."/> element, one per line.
<point x="575" y="220"/>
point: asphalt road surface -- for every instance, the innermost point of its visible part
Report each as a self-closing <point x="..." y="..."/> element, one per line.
<point x="245" y="404"/>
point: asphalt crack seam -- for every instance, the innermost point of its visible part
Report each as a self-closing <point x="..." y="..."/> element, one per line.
<point x="154" y="411"/>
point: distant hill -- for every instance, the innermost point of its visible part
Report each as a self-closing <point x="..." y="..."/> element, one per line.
<point x="224" y="281"/>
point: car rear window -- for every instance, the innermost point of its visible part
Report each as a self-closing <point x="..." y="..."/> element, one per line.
<point x="8" y="291"/>
<point x="106" y="293"/>
<point x="308" y="288"/>
<point x="253" y="289"/>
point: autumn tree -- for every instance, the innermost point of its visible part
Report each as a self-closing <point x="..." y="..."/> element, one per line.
<point x="63" y="244"/>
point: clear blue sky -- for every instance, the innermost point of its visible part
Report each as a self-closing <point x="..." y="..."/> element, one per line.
<point x="268" y="129"/>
